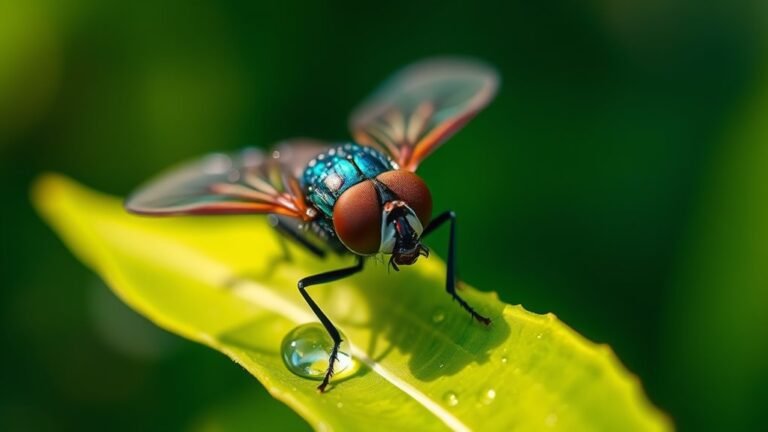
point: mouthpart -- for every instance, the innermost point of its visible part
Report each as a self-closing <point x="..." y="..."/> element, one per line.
<point x="408" y="256"/>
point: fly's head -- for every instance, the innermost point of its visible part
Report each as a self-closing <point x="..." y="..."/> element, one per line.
<point x="401" y="234"/>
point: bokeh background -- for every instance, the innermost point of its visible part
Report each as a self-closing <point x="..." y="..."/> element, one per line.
<point x="619" y="180"/>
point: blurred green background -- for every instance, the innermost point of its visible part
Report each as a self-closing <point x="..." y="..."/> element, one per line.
<point x="624" y="182"/>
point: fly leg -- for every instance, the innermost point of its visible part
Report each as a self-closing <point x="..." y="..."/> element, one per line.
<point x="290" y="231"/>
<point x="450" y="278"/>
<point x="322" y="278"/>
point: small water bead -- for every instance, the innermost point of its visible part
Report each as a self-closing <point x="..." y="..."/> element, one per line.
<point x="504" y="360"/>
<point x="438" y="317"/>
<point x="306" y="349"/>
<point x="488" y="396"/>
<point x="451" y="398"/>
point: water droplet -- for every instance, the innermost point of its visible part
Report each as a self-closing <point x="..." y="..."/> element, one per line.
<point x="504" y="360"/>
<point x="488" y="396"/>
<point x="551" y="420"/>
<point x="339" y="404"/>
<point x="438" y="317"/>
<point x="307" y="348"/>
<point x="538" y="336"/>
<point x="451" y="398"/>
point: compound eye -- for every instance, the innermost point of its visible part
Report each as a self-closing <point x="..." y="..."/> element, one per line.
<point x="410" y="188"/>
<point x="357" y="219"/>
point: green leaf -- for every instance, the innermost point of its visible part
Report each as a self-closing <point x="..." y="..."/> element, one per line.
<point x="220" y="281"/>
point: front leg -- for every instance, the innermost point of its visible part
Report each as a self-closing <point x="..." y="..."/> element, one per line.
<point x="450" y="278"/>
<point x="329" y="327"/>
<point x="287" y="228"/>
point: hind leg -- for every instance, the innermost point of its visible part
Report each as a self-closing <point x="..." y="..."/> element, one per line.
<point x="318" y="279"/>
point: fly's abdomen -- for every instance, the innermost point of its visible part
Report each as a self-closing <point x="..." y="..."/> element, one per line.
<point x="330" y="174"/>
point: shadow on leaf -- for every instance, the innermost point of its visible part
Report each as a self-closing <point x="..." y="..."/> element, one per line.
<point x="389" y="316"/>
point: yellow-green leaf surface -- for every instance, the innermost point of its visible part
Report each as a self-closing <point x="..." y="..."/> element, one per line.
<point x="422" y="363"/>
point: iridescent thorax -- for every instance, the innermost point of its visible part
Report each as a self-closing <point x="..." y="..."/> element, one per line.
<point x="330" y="174"/>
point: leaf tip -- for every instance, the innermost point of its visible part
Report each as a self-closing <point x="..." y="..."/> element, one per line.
<point x="45" y="188"/>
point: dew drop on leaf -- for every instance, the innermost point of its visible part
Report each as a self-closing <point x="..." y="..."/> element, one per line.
<point x="488" y="396"/>
<point x="438" y="317"/>
<point x="504" y="360"/>
<point x="307" y="348"/>
<point x="451" y="398"/>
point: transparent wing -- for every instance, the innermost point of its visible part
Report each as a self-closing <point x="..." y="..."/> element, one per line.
<point x="249" y="181"/>
<point x="295" y="153"/>
<point x="422" y="106"/>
